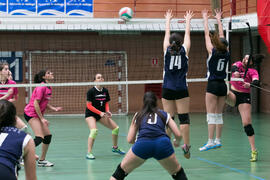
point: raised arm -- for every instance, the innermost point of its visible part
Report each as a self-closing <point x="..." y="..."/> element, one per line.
<point x="188" y="16"/>
<point x="208" y="42"/>
<point x="218" y="16"/>
<point x="166" y="42"/>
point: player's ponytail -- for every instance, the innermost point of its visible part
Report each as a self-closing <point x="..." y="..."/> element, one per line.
<point x="220" y="44"/>
<point x="7" y="113"/>
<point x="39" y="76"/>
<point x="176" y="41"/>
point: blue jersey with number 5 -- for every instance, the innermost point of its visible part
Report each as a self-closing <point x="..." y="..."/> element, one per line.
<point x="153" y="127"/>
<point x="175" y="70"/>
<point x="217" y="64"/>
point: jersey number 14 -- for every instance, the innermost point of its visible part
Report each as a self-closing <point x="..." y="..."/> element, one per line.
<point x="175" y="61"/>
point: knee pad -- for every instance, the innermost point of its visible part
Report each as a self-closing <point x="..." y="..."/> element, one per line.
<point x="119" y="173"/>
<point x="249" y="130"/>
<point x="115" y="131"/>
<point x="93" y="133"/>
<point x="184" y="118"/>
<point x="219" y="119"/>
<point x="47" y="139"/>
<point x="180" y="175"/>
<point x="172" y="117"/>
<point x="38" y="140"/>
<point x="211" y="118"/>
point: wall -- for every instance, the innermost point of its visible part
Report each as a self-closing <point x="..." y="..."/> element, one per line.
<point x="140" y="51"/>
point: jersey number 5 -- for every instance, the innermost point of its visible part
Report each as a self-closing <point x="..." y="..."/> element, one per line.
<point x="220" y="65"/>
<point x="3" y="136"/>
<point x="175" y="61"/>
<point x="149" y="121"/>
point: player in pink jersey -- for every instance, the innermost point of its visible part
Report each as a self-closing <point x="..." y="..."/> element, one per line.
<point x="9" y="93"/>
<point x="239" y="96"/>
<point x="34" y="114"/>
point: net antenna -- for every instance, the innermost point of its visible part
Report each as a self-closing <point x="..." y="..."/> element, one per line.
<point x="251" y="49"/>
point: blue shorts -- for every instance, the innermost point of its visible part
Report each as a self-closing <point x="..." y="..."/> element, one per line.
<point x="158" y="148"/>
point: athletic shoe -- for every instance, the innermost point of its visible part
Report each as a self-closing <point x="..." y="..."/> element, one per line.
<point x="254" y="156"/>
<point x="207" y="147"/>
<point x="21" y="162"/>
<point x="118" y="150"/>
<point x="186" y="150"/>
<point x="90" y="156"/>
<point x="44" y="163"/>
<point x="217" y="144"/>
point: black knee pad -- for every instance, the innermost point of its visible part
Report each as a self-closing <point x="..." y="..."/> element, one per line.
<point x="119" y="173"/>
<point x="47" y="139"/>
<point x="249" y="130"/>
<point x="172" y="117"/>
<point x="38" y="140"/>
<point x="184" y="118"/>
<point x="180" y="175"/>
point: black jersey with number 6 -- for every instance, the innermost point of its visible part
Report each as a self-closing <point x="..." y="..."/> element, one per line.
<point x="217" y="64"/>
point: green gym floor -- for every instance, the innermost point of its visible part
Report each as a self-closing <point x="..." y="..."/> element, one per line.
<point x="69" y="146"/>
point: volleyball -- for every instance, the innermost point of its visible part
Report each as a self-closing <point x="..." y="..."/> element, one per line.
<point x="126" y="13"/>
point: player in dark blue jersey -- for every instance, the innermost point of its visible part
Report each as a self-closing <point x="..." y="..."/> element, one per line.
<point x="219" y="56"/>
<point x="98" y="110"/>
<point x="14" y="145"/>
<point x="175" y="96"/>
<point x="152" y="141"/>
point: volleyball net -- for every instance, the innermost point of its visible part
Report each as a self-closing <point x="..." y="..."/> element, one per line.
<point x="129" y="56"/>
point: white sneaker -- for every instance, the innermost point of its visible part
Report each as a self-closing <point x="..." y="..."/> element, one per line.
<point x="207" y="147"/>
<point x="45" y="163"/>
<point x="217" y="144"/>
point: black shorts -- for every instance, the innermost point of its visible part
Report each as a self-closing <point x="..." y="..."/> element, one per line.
<point x="26" y="117"/>
<point x="217" y="87"/>
<point x="241" y="98"/>
<point x="174" y="95"/>
<point x="89" y="113"/>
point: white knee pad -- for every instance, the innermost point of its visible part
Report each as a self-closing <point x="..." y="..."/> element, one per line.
<point x="211" y="118"/>
<point x="219" y="119"/>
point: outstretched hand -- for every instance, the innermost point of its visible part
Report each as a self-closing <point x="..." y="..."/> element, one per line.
<point x="218" y="15"/>
<point x="189" y="15"/>
<point x="168" y="16"/>
<point x="205" y="14"/>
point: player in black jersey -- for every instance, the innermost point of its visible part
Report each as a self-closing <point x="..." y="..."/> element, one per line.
<point x="175" y="96"/>
<point x="219" y="56"/>
<point x="98" y="110"/>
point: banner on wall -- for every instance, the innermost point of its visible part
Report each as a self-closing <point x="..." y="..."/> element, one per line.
<point x="40" y="8"/>
<point x="14" y="59"/>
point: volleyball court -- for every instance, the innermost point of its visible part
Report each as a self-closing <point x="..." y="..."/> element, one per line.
<point x="129" y="56"/>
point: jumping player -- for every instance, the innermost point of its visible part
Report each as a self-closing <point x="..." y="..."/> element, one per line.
<point x="98" y="110"/>
<point x="218" y="57"/>
<point x="175" y="96"/>
<point x="239" y="96"/>
<point x="34" y="114"/>
<point x="152" y="141"/>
